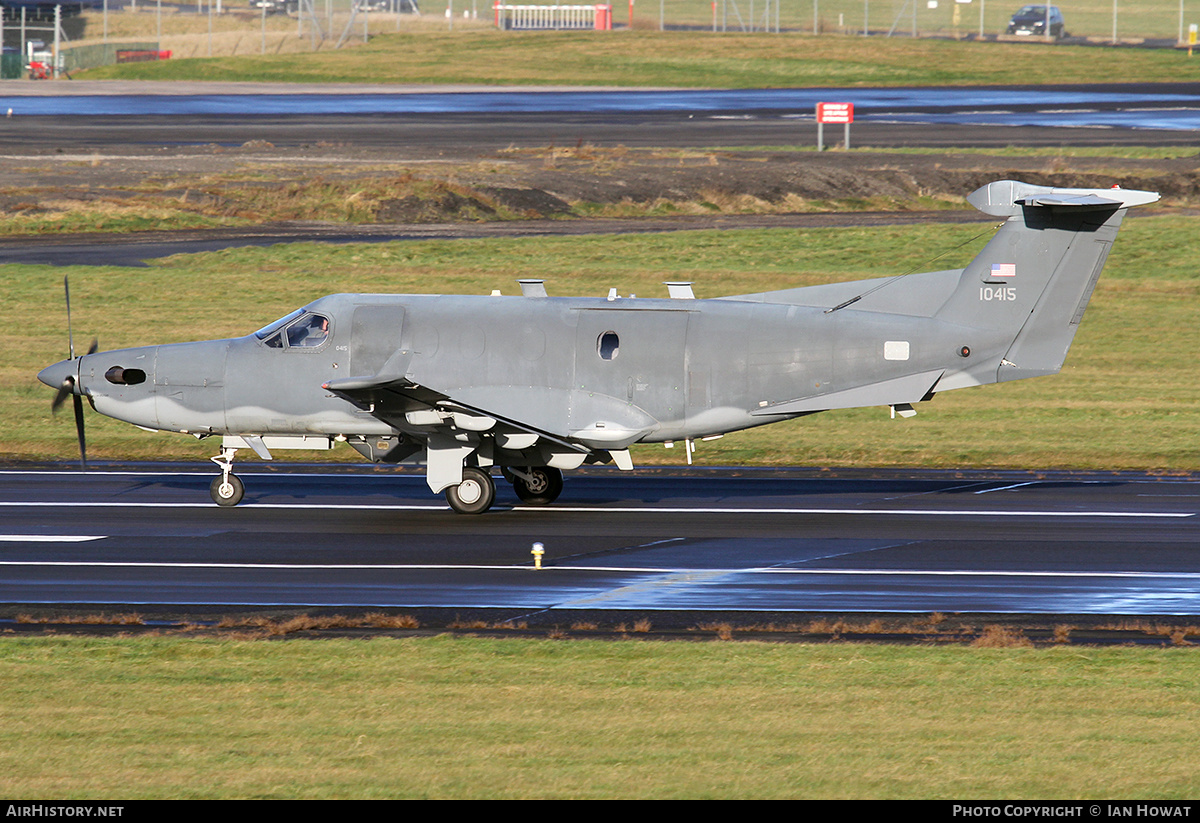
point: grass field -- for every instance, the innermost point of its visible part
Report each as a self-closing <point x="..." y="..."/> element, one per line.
<point x="93" y="719"/>
<point x="1127" y="398"/>
<point x="651" y="58"/>
<point x="240" y="33"/>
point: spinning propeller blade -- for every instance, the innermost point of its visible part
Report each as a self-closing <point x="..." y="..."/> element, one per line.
<point x="68" y="384"/>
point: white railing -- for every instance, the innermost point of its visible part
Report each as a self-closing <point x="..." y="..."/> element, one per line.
<point x="598" y="17"/>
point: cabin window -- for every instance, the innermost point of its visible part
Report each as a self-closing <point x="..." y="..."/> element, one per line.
<point x="608" y="345"/>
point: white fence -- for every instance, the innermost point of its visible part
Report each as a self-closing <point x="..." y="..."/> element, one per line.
<point x="598" y="17"/>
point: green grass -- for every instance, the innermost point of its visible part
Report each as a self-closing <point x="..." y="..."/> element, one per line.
<point x="93" y="719"/>
<point x="1129" y="396"/>
<point x="651" y="58"/>
<point x="1123" y="152"/>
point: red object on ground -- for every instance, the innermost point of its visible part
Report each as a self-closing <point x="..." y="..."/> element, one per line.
<point x="835" y="112"/>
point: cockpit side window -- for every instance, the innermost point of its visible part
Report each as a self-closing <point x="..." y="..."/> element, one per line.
<point x="309" y="331"/>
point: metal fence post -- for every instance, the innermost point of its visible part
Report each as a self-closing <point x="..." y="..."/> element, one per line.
<point x="57" y="42"/>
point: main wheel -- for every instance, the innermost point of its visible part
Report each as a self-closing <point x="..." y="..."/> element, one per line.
<point x="543" y="487"/>
<point x="474" y="495"/>
<point x="227" y="493"/>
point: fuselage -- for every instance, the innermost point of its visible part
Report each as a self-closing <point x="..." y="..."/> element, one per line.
<point x="670" y="368"/>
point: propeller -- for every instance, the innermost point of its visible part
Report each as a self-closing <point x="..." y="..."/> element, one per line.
<point x="67" y="387"/>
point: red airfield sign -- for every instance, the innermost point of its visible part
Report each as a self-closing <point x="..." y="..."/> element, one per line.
<point x="835" y="112"/>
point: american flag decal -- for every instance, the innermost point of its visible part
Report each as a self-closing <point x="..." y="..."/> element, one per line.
<point x="1004" y="270"/>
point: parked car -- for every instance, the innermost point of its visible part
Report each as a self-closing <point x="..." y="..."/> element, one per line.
<point x="400" y="6"/>
<point x="1031" y="20"/>
<point x="276" y="6"/>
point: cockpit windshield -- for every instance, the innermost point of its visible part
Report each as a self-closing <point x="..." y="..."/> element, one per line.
<point x="301" y="329"/>
<point x="269" y="329"/>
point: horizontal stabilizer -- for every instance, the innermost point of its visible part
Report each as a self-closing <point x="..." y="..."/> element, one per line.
<point x="1073" y="200"/>
<point x="1005" y="198"/>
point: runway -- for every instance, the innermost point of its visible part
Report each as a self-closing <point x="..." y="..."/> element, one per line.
<point x="709" y="540"/>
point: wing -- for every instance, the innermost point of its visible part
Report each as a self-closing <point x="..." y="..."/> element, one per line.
<point x="509" y="425"/>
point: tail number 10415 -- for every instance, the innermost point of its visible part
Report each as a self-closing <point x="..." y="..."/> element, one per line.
<point x="997" y="292"/>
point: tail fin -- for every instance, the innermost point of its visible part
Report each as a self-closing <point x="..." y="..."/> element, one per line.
<point x="1028" y="288"/>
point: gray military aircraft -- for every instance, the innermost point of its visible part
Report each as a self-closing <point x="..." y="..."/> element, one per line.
<point x="534" y="384"/>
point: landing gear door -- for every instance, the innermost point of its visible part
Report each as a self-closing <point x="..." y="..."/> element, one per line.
<point x="375" y="336"/>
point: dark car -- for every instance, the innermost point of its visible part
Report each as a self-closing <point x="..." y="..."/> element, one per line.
<point x="1031" y="20"/>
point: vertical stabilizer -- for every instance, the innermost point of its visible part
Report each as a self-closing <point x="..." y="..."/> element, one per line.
<point x="1028" y="288"/>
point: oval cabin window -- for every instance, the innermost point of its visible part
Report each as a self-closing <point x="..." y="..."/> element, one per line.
<point x="608" y="345"/>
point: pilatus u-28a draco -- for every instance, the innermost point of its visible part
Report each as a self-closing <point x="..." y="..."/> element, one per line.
<point x="534" y="385"/>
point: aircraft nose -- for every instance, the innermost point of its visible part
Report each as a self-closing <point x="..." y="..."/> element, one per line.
<point x="53" y="376"/>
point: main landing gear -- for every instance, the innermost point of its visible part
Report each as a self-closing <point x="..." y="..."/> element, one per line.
<point x="535" y="485"/>
<point x="475" y="494"/>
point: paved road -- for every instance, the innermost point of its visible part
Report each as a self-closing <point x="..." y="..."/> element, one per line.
<point x="125" y="249"/>
<point x="706" y="540"/>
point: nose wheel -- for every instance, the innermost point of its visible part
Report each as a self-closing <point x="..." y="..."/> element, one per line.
<point x="474" y="495"/>
<point x="226" y="490"/>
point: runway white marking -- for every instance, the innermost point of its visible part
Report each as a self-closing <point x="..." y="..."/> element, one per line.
<point x="905" y="512"/>
<point x="49" y="538"/>
<point x="1006" y="488"/>
<point x="622" y="510"/>
<point x="72" y="504"/>
<point x="676" y="574"/>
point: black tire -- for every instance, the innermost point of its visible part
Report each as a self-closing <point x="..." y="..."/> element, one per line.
<point x="474" y="495"/>
<point x="544" y="487"/>
<point x="227" y="494"/>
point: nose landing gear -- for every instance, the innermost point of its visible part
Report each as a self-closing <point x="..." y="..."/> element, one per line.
<point x="228" y="489"/>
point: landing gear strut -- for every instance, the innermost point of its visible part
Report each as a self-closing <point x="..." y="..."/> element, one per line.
<point x="474" y="495"/>
<point x="228" y="489"/>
